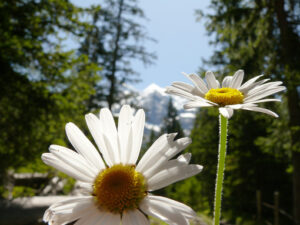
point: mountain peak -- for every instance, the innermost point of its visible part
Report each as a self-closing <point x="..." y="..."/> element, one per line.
<point x="153" y="88"/>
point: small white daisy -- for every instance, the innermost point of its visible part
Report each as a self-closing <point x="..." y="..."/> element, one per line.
<point x="117" y="191"/>
<point x="232" y="95"/>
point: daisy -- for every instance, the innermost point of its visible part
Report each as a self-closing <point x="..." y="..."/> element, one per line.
<point x="117" y="189"/>
<point x="231" y="95"/>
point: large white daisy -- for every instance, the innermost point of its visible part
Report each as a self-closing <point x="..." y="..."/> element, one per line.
<point x="231" y="95"/>
<point x="117" y="190"/>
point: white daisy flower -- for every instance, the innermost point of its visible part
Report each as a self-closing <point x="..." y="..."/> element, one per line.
<point x="231" y="95"/>
<point x="117" y="190"/>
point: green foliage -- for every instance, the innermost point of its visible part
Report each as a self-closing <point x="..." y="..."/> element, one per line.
<point x="198" y="191"/>
<point x="260" y="37"/>
<point x="43" y="86"/>
<point x="69" y="183"/>
<point x="249" y="166"/>
<point x="19" y="191"/>
<point x="278" y="139"/>
<point x="171" y="122"/>
<point x="153" y="137"/>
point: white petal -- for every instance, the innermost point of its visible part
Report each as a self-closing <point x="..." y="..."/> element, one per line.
<point x="91" y="218"/>
<point x="226" y="112"/>
<point x="211" y="80"/>
<point x="138" y="129"/>
<point x="95" y="216"/>
<point x="264" y="87"/>
<point x="163" y="212"/>
<point x="198" y="82"/>
<point x="84" y="146"/>
<point x="181" y="160"/>
<point x="70" y="200"/>
<point x="52" y="160"/>
<point x="237" y="79"/>
<point x="112" y="147"/>
<point x="134" y="217"/>
<point x="261" y="94"/>
<point x="188" y="88"/>
<point x="196" y="104"/>
<point x="162" y="156"/>
<point x="124" y="127"/>
<point x="128" y="153"/>
<point x="68" y="206"/>
<point x="109" y="130"/>
<point x="95" y="128"/>
<point x="183" y="86"/>
<point x="68" y="210"/>
<point x="185" y="158"/>
<point x="71" y="157"/>
<point x="160" y="145"/>
<point x="267" y="100"/>
<point x="240" y="106"/>
<point x="253" y="86"/>
<point x="180" y="92"/>
<point x="63" y="219"/>
<point x="182" y="208"/>
<point x="109" y="219"/>
<point x="87" y="187"/>
<point x="218" y="83"/>
<point x="82" y="221"/>
<point x="226" y="81"/>
<point x="174" y="174"/>
<point x="258" y="83"/>
<point x="247" y="85"/>
<point x="262" y="110"/>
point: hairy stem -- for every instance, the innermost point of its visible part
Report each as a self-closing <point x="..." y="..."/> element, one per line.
<point x="220" y="170"/>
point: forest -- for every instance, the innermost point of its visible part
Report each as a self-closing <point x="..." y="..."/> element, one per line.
<point x="46" y="82"/>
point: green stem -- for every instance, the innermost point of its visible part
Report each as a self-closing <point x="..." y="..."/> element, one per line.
<point x="220" y="170"/>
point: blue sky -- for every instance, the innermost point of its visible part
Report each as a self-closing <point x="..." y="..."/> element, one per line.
<point x="181" y="41"/>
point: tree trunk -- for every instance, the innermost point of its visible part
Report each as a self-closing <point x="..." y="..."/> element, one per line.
<point x="294" y="124"/>
<point x="296" y="180"/>
<point x="112" y="76"/>
<point x="290" y="46"/>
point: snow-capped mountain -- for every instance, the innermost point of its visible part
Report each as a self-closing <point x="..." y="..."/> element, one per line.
<point x="154" y="101"/>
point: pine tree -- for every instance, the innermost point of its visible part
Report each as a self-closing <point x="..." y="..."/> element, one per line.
<point x="42" y="85"/>
<point x="263" y="37"/>
<point x="171" y="123"/>
<point x="198" y="192"/>
<point x="249" y="167"/>
<point x="114" y="40"/>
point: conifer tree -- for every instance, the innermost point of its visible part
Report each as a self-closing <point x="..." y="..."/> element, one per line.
<point x="42" y="85"/>
<point x="114" y="40"/>
<point x="171" y="123"/>
<point x="263" y="37"/>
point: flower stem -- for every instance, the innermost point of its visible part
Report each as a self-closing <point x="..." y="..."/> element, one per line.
<point x="220" y="170"/>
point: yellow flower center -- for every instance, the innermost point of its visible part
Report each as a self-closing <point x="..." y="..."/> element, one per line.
<point x="119" y="188"/>
<point x="225" y="96"/>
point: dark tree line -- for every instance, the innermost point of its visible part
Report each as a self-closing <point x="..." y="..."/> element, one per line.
<point x="259" y="37"/>
<point x="44" y="85"/>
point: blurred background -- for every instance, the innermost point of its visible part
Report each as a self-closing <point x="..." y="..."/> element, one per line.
<point x="62" y="59"/>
